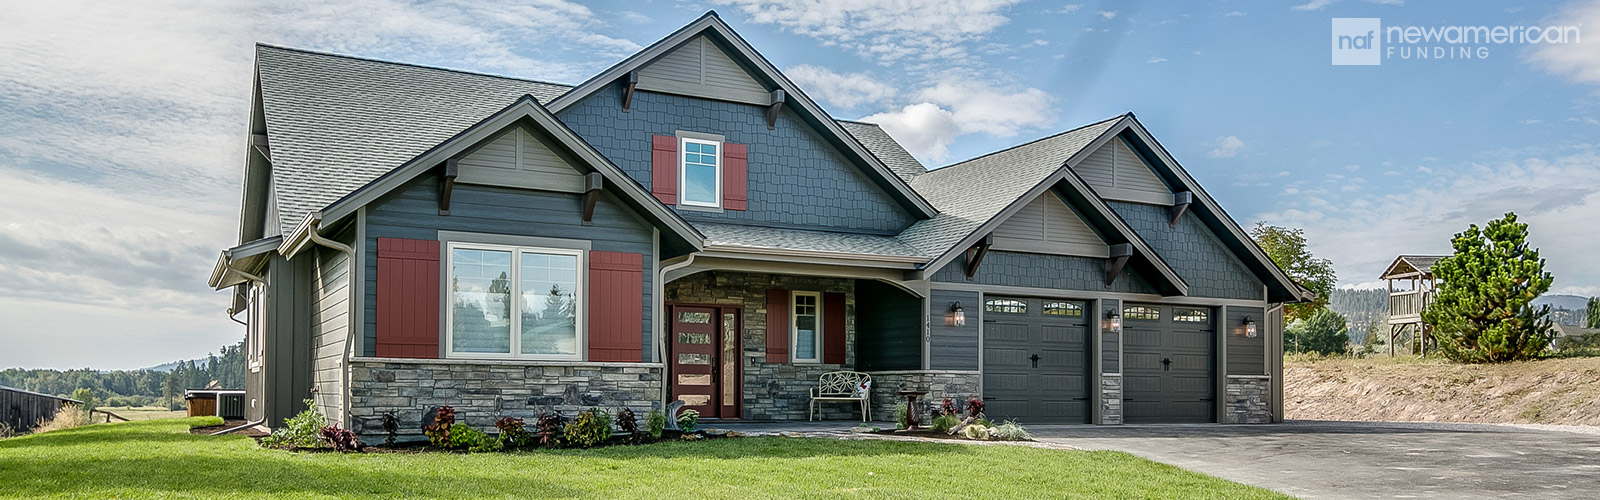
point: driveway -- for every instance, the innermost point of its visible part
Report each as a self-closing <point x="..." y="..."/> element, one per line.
<point x="1323" y="460"/>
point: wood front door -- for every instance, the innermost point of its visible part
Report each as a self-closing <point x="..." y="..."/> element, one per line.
<point x="705" y="359"/>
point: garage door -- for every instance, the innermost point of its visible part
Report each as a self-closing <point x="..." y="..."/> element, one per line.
<point x="1168" y="364"/>
<point x="1035" y="368"/>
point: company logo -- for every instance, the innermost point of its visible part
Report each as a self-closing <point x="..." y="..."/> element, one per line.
<point x="1357" y="41"/>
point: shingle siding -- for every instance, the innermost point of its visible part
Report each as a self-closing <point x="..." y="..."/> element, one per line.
<point x="1062" y="272"/>
<point x="796" y="179"/>
<point x="1210" y="269"/>
<point x="413" y="212"/>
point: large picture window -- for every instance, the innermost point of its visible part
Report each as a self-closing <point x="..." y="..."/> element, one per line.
<point x="701" y="173"/>
<point x="514" y="302"/>
<point x="807" y="326"/>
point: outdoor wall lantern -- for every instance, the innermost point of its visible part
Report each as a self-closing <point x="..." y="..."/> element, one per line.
<point x="958" y="317"/>
<point x="1113" y="322"/>
<point x="1249" y="327"/>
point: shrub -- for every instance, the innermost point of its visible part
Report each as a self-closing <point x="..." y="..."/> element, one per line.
<point x="549" y="427"/>
<point x="900" y="416"/>
<point x="512" y="432"/>
<point x="943" y="423"/>
<point x="300" y="431"/>
<point x="342" y="440"/>
<point x="657" y="423"/>
<point x="464" y="437"/>
<point x="1010" y="431"/>
<point x="6" y="430"/>
<point x="391" y="428"/>
<point x="948" y="407"/>
<point x="688" y="419"/>
<point x="628" y="424"/>
<point x="438" y="432"/>
<point x="1483" y="310"/>
<point x="66" y="417"/>
<point x="975" y="407"/>
<point x="975" y="432"/>
<point x="589" y="428"/>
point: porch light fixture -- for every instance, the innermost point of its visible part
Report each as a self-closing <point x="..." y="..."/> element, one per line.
<point x="1249" y="327"/>
<point x="958" y="316"/>
<point x="1113" y="323"/>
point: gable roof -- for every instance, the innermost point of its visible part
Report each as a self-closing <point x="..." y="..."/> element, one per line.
<point x="711" y="25"/>
<point x="889" y="151"/>
<point x="977" y="195"/>
<point x="1406" y="265"/>
<point x="525" y="110"/>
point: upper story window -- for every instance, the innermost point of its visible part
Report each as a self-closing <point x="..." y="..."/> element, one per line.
<point x="700" y="173"/>
<point x="807" y="317"/>
<point x="514" y="302"/>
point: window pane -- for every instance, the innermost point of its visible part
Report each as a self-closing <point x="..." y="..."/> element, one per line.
<point x="1141" y="312"/>
<point x="1063" y="309"/>
<point x="481" y="301"/>
<point x="805" y="326"/>
<point x="1011" y="306"/>
<point x="700" y="183"/>
<point x="1191" y="314"/>
<point x="549" y="306"/>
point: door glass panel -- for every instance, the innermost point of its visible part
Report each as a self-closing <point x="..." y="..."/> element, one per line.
<point x="694" y="359"/>
<point x="694" y="338"/>
<point x="1141" y="312"/>
<point x="697" y="318"/>
<point x="1063" y="309"/>
<point x="694" y="379"/>
<point x="480" y="312"/>
<point x="1190" y="314"/>
<point x="730" y="357"/>
<point x="1011" y="306"/>
<point x="695" y="399"/>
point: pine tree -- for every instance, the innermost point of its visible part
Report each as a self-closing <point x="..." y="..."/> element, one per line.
<point x="1323" y="332"/>
<point x="1592" y="317"/>
<point x="1483" y="310"/>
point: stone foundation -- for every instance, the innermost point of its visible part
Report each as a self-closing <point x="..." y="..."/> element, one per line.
<point x="772" y="391"/>
<point x="483" y="391"/>
<point x="1110" y="399"/>
<point x="959" y="386"/>
<point x="1248" y="400"/>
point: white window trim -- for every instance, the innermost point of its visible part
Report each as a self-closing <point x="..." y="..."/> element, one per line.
<point x="580" y="284"/>
<point x="683" y="173"/>
<point x="794" y="328"/>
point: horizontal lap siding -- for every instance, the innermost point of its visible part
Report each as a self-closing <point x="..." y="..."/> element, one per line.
<point x="1193" y="251"/>
<point x="953" y="347"/>
<point x="888" y="328"/>
<point x="330" y="326"/>
<point x="795" y="178"/>
<point x="1110" y="342"/>
<point x="1246" y="356"/>
<point x="413" y="212"/>
<point x="1062" y="272"/>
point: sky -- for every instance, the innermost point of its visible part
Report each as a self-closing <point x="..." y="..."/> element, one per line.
<point x="123" y="124"/>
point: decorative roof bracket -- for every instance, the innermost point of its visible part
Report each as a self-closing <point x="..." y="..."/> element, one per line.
<point x="593" y="182"/>
<point x="772" y="109"/>
<point x="628" y="86"/>
<point x="1120" y="253"/>
<point x="1180" y="204"/>
<point x="977" y="252"/>
<point x="447" y="185"/>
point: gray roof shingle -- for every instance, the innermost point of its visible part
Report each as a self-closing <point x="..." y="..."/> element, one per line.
<point x="971" y="192"/>
<point x="337" y="122"/>
<point x="771" y="238"/>
<point x="885" y="148"/>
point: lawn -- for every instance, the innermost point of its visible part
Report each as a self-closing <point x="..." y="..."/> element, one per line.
<point x="143" y="412"/>
<point x="159" y="458"/>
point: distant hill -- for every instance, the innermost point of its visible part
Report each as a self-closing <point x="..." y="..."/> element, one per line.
<point x="1360" y="308"/>
<point x="168" y="367"/>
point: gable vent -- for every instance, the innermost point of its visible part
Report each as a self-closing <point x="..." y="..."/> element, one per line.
<point x="1117" y="173"/>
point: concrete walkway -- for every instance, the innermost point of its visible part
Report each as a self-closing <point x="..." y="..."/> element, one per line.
<point x="1339" y="460"/>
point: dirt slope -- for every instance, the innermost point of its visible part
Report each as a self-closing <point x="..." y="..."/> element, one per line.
<point x="1557" y="391"/>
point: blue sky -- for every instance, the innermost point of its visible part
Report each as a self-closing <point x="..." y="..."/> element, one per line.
<point x="121" y="123"/>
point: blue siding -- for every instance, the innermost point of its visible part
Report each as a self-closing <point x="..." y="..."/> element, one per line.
<point x="952" y="347"/>
<point x="413" y="212"/>
<point x="888" y="328"/>
<point x="796" y="179"/>
<point x="1210" y="269"/>
<point x="1062" y="272"/>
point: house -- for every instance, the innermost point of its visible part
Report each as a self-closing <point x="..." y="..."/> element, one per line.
<point x="689" y="225"/>
<point x="1411" y="286"/>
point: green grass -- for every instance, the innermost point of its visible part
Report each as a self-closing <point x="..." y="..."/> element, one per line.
<point x="159" y="459"/>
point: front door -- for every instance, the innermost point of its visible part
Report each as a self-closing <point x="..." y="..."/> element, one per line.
<point x="705" y="359"/>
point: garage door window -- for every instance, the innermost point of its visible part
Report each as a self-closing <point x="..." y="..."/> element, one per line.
<point x="1071" y="309"/>
<point x="1141" y="312"/>
<point x="1191" y="315"/>
<point x="1009" y="306"/>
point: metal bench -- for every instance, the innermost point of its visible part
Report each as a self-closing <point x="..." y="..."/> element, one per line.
<point x="843" y="386"/>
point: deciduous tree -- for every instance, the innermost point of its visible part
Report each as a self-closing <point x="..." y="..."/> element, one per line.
<point x="1287" y="248"/>
<point x="1483" y="310"/>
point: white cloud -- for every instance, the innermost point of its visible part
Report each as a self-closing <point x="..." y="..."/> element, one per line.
<point x="1313" y="5"/>
<point x="956" y="107"/>
<point x="1227" y="147"/>
<point x="1067" y="9"/>
<point x="885" y="30"/>
<point x="1234" y="14"/>
<point x="1108" y="14"/>
<point x="1553" y="196"/>
<point x="1155" y="60"/>
<point x="846" y="91"/>
<point x="1577" y="62"/>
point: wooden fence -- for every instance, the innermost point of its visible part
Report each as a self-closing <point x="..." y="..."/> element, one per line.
<point x="24" y="410"/>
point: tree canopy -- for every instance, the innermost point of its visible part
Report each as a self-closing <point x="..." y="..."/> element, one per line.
<point x="1287" y="248"/>
<point x="1323" y="332"/>
<point x="1483" y="310"/>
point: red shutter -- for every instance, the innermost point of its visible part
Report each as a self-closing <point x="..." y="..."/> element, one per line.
<point x="735" y="176"/>
<point x="777" y="326"/>
<point x="616" y="306"/>
<point x="408" y="298"/>
<point x="664" y="168"/>
<point x="833" y="328"/>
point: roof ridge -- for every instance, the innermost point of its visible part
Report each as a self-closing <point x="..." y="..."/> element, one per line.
<point x="399" y="63"/>
<point x="858" y="122"/>
<point x="1025" y="144"/>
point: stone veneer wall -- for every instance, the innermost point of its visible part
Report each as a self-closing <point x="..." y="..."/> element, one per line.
<point x="482" y="391"/>
<point x="957" y="385"/>
<point x="1110" y="399"/>
<point x="1248" y="400"/>
<point x="772" y="391"/>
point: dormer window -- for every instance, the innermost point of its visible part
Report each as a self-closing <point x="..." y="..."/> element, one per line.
<point x="700" y="173"/>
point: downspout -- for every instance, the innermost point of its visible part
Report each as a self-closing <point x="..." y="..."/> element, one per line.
<point x="661" y="325"/>
<point x="350" y="331"/>
<point x="254" y="279"/>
